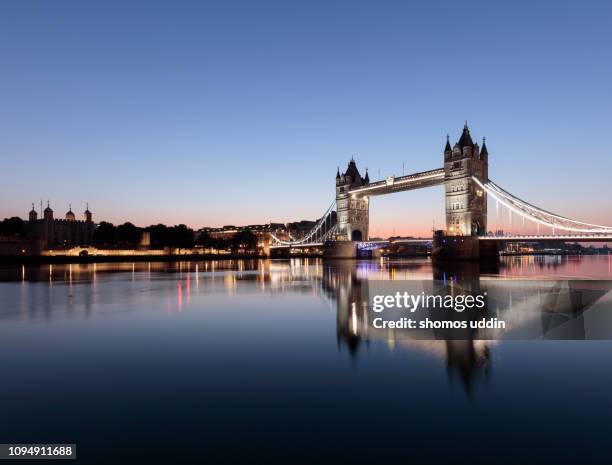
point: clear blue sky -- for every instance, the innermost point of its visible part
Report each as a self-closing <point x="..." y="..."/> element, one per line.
<point x="239" y="112"/>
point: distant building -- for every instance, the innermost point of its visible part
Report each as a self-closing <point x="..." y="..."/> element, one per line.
<point x="51" y="232"/>
<point x="261" y="231"/>
<point x="299" y="228"/>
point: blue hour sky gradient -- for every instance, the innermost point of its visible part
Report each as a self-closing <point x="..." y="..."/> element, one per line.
<point x="213" y="113"/>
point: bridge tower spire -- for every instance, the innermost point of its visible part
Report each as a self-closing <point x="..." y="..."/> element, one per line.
<point x="466" y="202"/>
<point x="448" y="151"/>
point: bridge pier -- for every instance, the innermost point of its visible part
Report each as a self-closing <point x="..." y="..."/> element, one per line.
<point x="280" y="252"/>
<point x="489" y="250"/>
<point x="447" y="248"/>
<point x="340" y="249"/>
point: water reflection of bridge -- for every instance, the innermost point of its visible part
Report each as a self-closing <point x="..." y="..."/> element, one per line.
<point x="469" y="359"/>
<point x="533" y="308"/>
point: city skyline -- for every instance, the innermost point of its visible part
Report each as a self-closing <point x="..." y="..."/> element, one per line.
<point x="210" y="116"/>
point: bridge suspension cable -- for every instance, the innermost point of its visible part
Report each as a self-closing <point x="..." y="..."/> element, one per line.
<point x="324" y="228"/>
<point x="536" y="214"/>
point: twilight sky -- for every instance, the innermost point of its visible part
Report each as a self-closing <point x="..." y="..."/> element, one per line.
<point x="212" y="113"/>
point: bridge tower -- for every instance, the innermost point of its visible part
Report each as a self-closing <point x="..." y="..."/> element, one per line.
<point x="466" y="203"/>
<point x="353" y="210"/>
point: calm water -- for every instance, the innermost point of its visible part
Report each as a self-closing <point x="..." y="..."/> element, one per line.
<point x="257" y="361"/>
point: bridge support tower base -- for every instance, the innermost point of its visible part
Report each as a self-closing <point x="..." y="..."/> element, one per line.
<point x="450" y="248"/>
<point x="280" y="252"/>
<point x="340" y="249"/>
<point x="489" y="250"/>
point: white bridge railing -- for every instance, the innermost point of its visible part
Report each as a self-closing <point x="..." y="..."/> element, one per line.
<point x="323" y="230"/>
<point x="538" y="215"/>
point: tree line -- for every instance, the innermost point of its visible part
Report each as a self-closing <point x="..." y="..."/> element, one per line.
<point x="12" y="227"/>
<point x="127" y="235"/>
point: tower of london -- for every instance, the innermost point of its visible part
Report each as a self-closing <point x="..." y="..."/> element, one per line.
<point x="53" y="232"/>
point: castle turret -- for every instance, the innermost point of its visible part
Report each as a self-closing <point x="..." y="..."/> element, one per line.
<point x="48" y="213"/>
<point x="87" y="215"/>
<point x="48" y="228"/>
<point x="33" y="215"/>
<point x="69" y="214"/>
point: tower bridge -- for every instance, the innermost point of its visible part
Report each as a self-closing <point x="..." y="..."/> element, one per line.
<point x="465" y="176"/>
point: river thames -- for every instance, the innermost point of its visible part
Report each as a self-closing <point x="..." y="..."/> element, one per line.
<point x="259" y="360"/>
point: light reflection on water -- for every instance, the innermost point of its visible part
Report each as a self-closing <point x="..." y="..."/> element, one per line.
<point x="576" y="267"/>
<point x="269" y="275"/>
<point x="219" y="345"/>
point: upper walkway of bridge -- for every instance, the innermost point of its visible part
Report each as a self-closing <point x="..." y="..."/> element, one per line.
<point x="402" y="183"/>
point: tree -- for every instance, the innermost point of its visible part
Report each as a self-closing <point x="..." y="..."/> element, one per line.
<point x="244" y="239"/>
<point x="221" y="244"/>
<point x="159" y="235"/>
<point x="128" y="235"/>
<point x="12" y="227"/>
<point x="205" y="240"/>
<point x="105" y="235"/>
<point x="180" y="237"/>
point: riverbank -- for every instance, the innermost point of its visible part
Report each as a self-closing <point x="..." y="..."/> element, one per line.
<point x="43" y="259"/>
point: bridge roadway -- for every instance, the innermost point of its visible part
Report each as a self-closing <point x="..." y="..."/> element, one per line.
<point x="364" y="245"/>
<point x="371" y="245"/>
